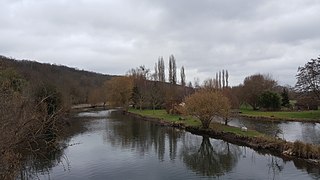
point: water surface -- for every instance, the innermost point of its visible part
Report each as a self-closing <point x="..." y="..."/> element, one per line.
<point x="118" y="147"/>
<point x="288" y="130"/>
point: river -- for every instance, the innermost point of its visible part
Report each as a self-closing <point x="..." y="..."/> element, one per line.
<point x="114" y="146"/>
<point x="290" y="131"/>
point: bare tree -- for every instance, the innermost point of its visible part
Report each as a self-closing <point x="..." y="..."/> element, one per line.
<point x="156" y="74"/>
<point x="140" y="72"/>
<point x="161" y="70"/>
<point x="120" y="91"/>
<point x="309" y="77"/>
<point x="227" y="78"/>
<point x="172" y="70"/>
<point x="220" y="84"/>
<point x="223" y="79"/>
<point x="210" y="84"/>
<point x="254" y="86"/>
<point x="183" y="76"/>
<point x="217" y="80"/>
<point x="206" y="105"/>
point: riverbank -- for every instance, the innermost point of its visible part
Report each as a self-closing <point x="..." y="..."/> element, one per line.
<point x="296" y="116"/>
<point x="257" y="141"/>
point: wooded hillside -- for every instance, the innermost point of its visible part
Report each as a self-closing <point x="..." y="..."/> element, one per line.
<point x="75" y="85"/>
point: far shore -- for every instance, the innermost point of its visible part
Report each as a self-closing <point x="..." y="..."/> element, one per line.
<point x="312" y="116"/>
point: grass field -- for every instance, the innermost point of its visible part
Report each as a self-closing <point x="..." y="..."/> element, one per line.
<point x="162" y="114"/>
<point x="190" y="121"/>
<point x="307" y="115"/>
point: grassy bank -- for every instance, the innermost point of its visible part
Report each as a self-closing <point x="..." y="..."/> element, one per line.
<point x="283" y="115"/>
<point x="250" y="138"/>
<point x="190" y="121"/>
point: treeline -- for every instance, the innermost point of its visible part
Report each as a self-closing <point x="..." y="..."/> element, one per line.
<point x="74" y="85"/>
<point x="143" y="89"/>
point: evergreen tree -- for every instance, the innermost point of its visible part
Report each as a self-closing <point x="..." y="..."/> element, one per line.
<point x="285" y="98"/>
<point x="270" y="101"/>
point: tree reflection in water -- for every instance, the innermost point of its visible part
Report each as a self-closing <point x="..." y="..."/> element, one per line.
<point x="43" y="161"/>
<point x="141" y="136"/>
<point x="41" y="158"/>
<point x="275" y="165"/>
<point x="210" y="160"/>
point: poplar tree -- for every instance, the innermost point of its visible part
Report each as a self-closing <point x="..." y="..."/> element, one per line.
<point x="174" y="71"/>
<point x="220" y="79"/>
<point x="227" y="78"/>
<point x="170" y="70"/>
<point x="156" y="74"/>
<point x="223" y="82"/>
<point x="161" y="70"/>
<point x="217" y="80"/>
<point x="183" y="76"/>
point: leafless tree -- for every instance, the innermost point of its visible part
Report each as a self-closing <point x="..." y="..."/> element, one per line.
<point x="309" y="78"/>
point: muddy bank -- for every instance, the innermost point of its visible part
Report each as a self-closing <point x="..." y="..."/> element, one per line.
<point x="264" y="118"/>
<point x="287" y="150"/>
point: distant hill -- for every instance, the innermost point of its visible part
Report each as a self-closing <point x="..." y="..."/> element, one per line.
<point x="74" y="84"/>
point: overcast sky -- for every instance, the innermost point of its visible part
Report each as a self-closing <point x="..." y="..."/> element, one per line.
<point x="111" y="36"/>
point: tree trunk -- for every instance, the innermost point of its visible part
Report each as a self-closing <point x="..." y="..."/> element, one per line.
<point x="205" y="123"/>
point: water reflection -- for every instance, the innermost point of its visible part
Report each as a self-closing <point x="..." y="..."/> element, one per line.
<point x="290" y="131"/>
<point x="118" y="147"/>
<point x="141" y="136"/>
<point x="42" y="161"/>
<point x="39" y="159"/>
<point x="208" y="159"/>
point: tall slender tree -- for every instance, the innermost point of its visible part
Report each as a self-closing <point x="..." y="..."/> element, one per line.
<point x="223" y="79"/>
<point x="220" y="85"/>
<point x="183" y="76"/>
<point x="174" y="70"/>
<point x="217" y="80"/>
<point x="161" y="70"/>
<point x="156" y="74"/>
<point x="227" y="78"/>
<point x="170" y="70"/>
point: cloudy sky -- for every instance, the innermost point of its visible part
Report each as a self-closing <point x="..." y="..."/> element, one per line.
<point x="112" y="36"/>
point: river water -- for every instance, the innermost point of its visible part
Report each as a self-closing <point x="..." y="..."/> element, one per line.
<point x="114" y="146"/>
<point x="290" y="131"/>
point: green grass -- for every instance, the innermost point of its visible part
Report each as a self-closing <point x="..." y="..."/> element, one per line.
<point x="304" y="115"/>
<point x="190" y="121"/>
<point x="235" y="130"/>
<point x="162" y="114"/>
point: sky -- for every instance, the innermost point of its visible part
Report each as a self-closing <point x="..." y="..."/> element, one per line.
<point x="244" y="37"/>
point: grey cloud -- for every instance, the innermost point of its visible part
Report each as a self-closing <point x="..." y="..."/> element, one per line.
<point x="245" y="37"/>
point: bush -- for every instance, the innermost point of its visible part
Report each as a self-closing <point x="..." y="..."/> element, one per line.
<point x="51" y="98"/>
<point x="270" y="101"/>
